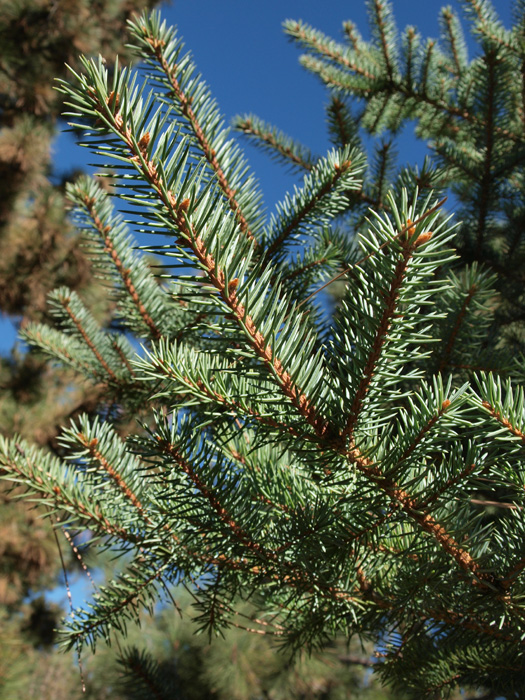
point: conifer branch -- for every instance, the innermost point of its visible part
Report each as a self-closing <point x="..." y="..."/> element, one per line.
<point x="410" y="57"/>
<point x="108" y="612"/>
<point x="380" y="180"/>
<point x="199" y="130"/>
<point x="263" y="135"/>
<point x="143" y="673"/>
<point x="425" y="73"/>
<point x="408" y="246"/>
<point x="449" y="484"/>
<point x="470" y="623"/>
<point x="486" y="19"/>
<point x="178" y="214"/>
<point x="353" y="37"/>
<point x="383" y="27"/>
<point x="65" y="301"/>
<point x="457" y="325"/>
<point x="336" y="110"/>
<point x="366" y="86"/>
<point x="413" y="509"/>
<point x="204" y="390"/>
<point x="210" y="496"/>
<point x="363" y="534"/>
<point x="295" y="573"/>
<point x="336" y="78"/>
<point x="308" y="206"/>
<point x="261" y="346"/>
<point x="30" y="471"/>
<point x="326" y="466"/>
<point x="124" y="273"/>
<point x="449" y="18"/>
<point x="432" y="614"/>
<point x="124" y="487"/>
<point x="122" y="355"/>
<point x="431" y="422"/>
<point x="57" y="345"/>
<point x="318" y="43"/>
<point x="490" y="59"/>
<point x="503" y="421"/>
<point x="304" y="268"/>
<point x="384" y="245"/>
<point x="112" y="472"/>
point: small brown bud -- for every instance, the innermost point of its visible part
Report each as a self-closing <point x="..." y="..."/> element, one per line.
<point x="445" y="405"/>
<point x="112" y="96"/>
<point x="144" y="141"/>
<point x="339" y="168"/>
<point x="423" y="238"/>
<point x="232" y="285"/>
<point x="411" y="229"/>
<point x="185" y="205"/>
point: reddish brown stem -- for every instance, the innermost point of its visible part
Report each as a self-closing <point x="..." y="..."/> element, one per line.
<point x="104" y="232"/>
<point x="383" y="326"/>
<point x="209" y="153"/>
<point x="447" y="351"/>
<point x="267" y="137"/>
<point x="504" y="421"/>
<point x="301" y="214"/>
<point x="88" y="341"/>
<point x="414" y="510"/>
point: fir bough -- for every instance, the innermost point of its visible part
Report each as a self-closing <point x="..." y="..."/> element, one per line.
<point x="335" y="473"/>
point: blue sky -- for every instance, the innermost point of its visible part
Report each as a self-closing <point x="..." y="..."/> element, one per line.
<point x="240" y="49"/>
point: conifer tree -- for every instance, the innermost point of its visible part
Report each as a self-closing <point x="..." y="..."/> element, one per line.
<point x="336" y="473"/>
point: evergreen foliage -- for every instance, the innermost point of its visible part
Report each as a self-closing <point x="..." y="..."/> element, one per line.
<point x="336" y="473"/>
<point x="469" y="111"/>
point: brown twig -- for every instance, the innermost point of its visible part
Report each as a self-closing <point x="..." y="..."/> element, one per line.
<point x="125" y="274"/>
<point x="187" y="110"/>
